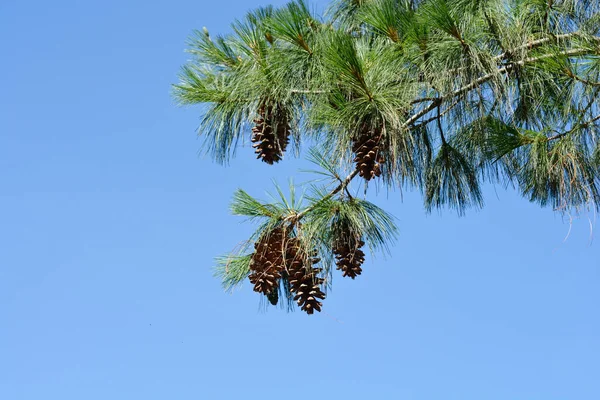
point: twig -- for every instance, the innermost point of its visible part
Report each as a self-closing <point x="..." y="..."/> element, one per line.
<point x="439" y="124"/>
<point x="584" y="125"/>
<point x="487" y="77"/>
<point x="582" y="80"/>
<point x="306" y="91"/>
<point x="339" y="188"/>
<point x="342" y="182"/>
<point x="529" y="45"/>
<point x="424" y="99"/>
<point x="446" y="111"/>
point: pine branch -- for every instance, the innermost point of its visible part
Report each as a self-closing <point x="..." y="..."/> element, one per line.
<point x="427" y="121"/>
<point x="529" y="46"/>
<point x="580" y="126"/>
<point x="536" y="43"/>
<point x="424" y="99"/>
<point x="336" y="190"/>
<point x="307" y="91"/>
<point x="577" y="78"/>
<point x="476" y="83"/>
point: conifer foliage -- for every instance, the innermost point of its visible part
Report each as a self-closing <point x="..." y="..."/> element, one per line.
<point x="437" y="95"/>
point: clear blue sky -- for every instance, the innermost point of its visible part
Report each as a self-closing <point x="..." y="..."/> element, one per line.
<point x="109" y="222"/>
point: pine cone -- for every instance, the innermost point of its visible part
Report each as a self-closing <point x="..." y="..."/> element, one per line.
<point x="304" y="282"/>
<point x="267" y="262"/>
<point x="366" y="149"/>
<point x="270" y="143"/>
<point x="349" y="257"/>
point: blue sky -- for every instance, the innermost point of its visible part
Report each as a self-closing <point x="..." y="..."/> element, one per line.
<point x="110" y="221"/>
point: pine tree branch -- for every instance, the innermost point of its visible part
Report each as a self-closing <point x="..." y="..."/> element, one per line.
<point x="580" y="126"/>
<point x="345" y="187"/>
<point x="296" y="217"/>
<point x="439" y="124"/>
<point x="307" y="91"/>
<point x="529" y="46"/>
<point x="424" y="111"/>
<point x="485" y="78"/>
<point x="577" y="78"/>
<point x="427" y="121"/>
<point x="424" y="99"/>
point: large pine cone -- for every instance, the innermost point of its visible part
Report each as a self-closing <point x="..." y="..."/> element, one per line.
<point x="349" y="257"/>
<point x="367" y="153"/>
<point x="267" y="263"/>
<point x="304" y="282"/>
<point x="270" y="134"/>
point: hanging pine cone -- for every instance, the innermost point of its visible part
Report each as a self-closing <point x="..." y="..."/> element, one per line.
<point x="349" y="257"/>
<point x="270" y="134"/>
<point x="367" y="153"/>
<point x="304" y="282"/>
<point x="267" y="263"/>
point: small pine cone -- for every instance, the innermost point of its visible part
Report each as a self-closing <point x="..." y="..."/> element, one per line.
<point x="366" y="149"/>
<point x="267" y="262"/>
<point x="349" y="257"/>
<point x="270" y="134"/>
<point x="304" y="282"/>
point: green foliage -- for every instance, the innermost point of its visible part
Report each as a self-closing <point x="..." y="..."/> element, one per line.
<point x="233" y="270"/>
<point x="246" y="205"/>
<point x="560" y="174"/>
<point x="452" y="181"/>
<point x="294" y="24"/>
<point x="452" y="93"/>
<point x="389" y="18"/>
<point x="356" y="217"/>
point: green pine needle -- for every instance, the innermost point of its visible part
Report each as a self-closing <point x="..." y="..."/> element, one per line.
<point x="451" y="181"/>
<point x="233" y="270"/>
<point x="245" y="205"/>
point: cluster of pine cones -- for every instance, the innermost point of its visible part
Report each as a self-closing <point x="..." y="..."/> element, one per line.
<point x="271" y="136"/>
<point x="271" y="133"/>
<point x="276" y="255"/>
